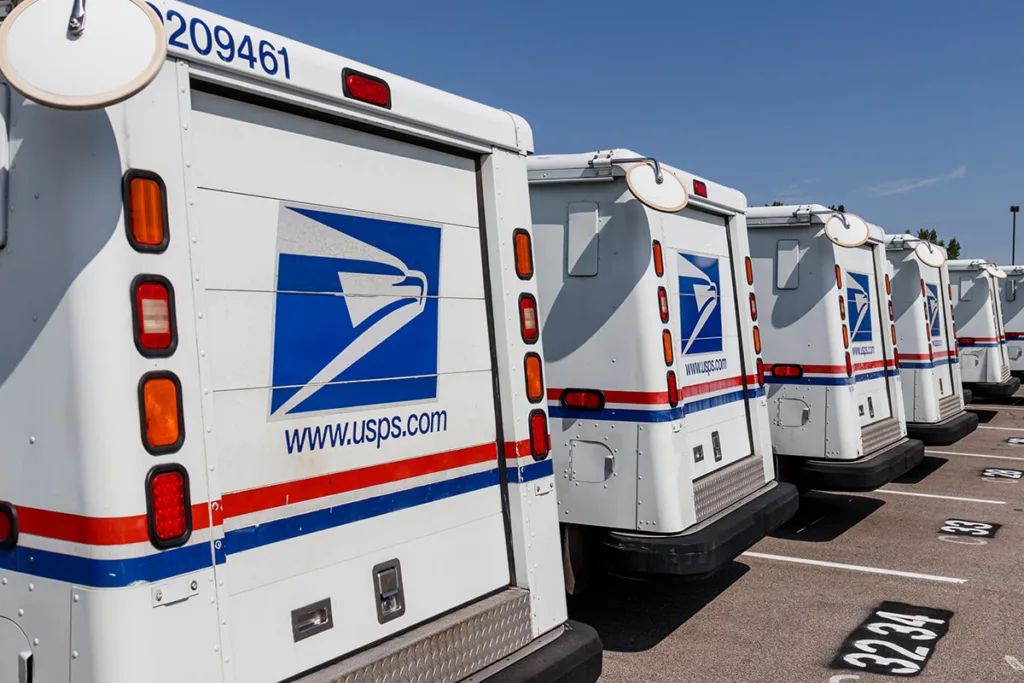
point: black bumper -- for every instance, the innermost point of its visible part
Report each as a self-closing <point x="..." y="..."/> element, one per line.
<point x="699" y="554"/>
<point x="573" y="657"/>
<point x="943" y="433"/>
<point x="863" y="474"/>
<point x="994" y="389"/>
<point x="968" y="396"/>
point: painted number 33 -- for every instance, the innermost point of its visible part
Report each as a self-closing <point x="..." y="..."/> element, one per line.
<point x="195" y="35"/>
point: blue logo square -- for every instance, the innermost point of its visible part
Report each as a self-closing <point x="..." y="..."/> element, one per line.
<point x="933" y="311"/>
<point x="858" y="299"/>
<point x="700" y="305"/>
<point x="355" y="320"/>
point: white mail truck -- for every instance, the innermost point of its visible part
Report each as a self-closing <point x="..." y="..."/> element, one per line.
<point x="1013" y="317"/>
<point x="984" y="360"/>
<point x="929" y="367"/>
<point x="834" y="395"/>
<point x="272" y="400"/>
<point x="660" y="435"/>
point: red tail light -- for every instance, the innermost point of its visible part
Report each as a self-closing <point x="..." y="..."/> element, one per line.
<point x="788" y="371"/>
<point x="753" y="307"/>
<point x="659" y="261"/>
<point x="540" y="443"/>
<point x="849" y="365"/>
<point x="760" y="372"/>
<point x="700" y="188"/>
<point x="366" y="88"/>
<point x="931" y="353"/>
<point x="8" y="526"/>
<point x="923" y="292"/>
<point x="169" y="508"/>
<point x="583" y="399"/>
<point x="153" y="314"/>
<point x="966" y="341"/>
<point x="673" y="389"/>
<point x="663" y="304"/>
<point x="528" y="318"/>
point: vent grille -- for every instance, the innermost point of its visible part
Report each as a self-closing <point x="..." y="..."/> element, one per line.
<point x="718" y="490"/>
<point x="1006" y="373"/>
<point x="948" y="407"/>
<point x="443" y="651"/>
<point x="880" y="434"/>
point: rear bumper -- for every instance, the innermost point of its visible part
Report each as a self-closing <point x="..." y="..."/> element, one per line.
<point x="573" y="657"/>
<point x="995" y="389"/>
<point x="700" y="553"/>
<point x="943" y="433"/>
<point x="862" y="474"/>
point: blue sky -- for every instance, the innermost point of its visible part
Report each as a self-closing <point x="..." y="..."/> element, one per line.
<point x="909" y="113"/>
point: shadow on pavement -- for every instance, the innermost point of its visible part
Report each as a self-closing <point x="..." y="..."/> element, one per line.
<point x="824" y="517"/>
<point x="922" y="471"/>
<point x="984" y="416"/>
<point x="634" y="616"/>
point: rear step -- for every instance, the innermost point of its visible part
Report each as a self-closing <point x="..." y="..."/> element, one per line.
<point x="948" y="407"/>
<point x="880" y="434"/>
<point x="486" y="631"/>
<point x="720" y="489"/>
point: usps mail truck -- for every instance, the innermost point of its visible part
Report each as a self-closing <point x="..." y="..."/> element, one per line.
<point x="927" y="356"/>
<point x="984" y="361"/>
<point x="659" y="426"/>
<point x="271" y="388"/>
<point x="1013" y="317"/>
<point x="834" y="395"/>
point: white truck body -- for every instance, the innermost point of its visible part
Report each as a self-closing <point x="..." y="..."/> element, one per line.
<point x="981" y="336"/>
<point x="652" y="312"/>
<point x="1012" y="289"/>
<point x="834" y="388"/>
<point x="929" y="367"/>
<point x="363" y="469"/>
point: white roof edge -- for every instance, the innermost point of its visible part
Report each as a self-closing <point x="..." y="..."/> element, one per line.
<point x="718" y="194"/>
<point x="1013" y="270"/>
<point x="909" y="241"/>
<point x="318" y="73"/>
<point x="969" y="264"/>
<point x="786" y="215"/>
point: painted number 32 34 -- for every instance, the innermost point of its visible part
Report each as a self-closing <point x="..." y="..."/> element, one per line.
<point x="195" y="35"/>
<point x="895" y="643"/>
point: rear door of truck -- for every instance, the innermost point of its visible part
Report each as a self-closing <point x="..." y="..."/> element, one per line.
<point x="866" y="327"/>
<point x="353" y="403"/>
<point x="940" y="335"/>
<point x="712" y="377"/>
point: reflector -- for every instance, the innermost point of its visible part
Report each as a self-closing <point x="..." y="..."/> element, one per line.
<point x="163" y="429"/>
<point x="534" y="378"/>
<point x="583" y="399"/>
<point x="659" y="263"/>
<point x="788" y="371"/>
<point x="523" y="253"/>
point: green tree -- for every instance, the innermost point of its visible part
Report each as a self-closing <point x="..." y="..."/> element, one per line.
<point x="952" y="249"/>
<point x="841" y="208"/>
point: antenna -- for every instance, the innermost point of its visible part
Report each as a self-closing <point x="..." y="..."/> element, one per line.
<point x="54" y="59"/>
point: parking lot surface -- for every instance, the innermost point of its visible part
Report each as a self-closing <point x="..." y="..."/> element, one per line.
<point x="790" y="608"/>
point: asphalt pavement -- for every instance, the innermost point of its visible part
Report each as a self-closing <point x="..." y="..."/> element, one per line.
<point x="787" y="610"/>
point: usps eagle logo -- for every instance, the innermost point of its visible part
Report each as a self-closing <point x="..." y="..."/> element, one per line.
<point x="858" y="297"/>
<point x="356" y="312"/>
<point x="700" y="306"/>
<point x="933" y="311"/>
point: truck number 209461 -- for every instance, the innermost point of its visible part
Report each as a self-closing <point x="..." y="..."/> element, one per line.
<point x="196" y="35"/>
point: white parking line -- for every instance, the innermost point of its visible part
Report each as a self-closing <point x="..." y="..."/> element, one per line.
<point x="932" y="495"/>
<point x="975" y="455"/>
<point x="1003" y="429"/>
<point x="994" y="406"/>
<point x="855" y="567"/>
